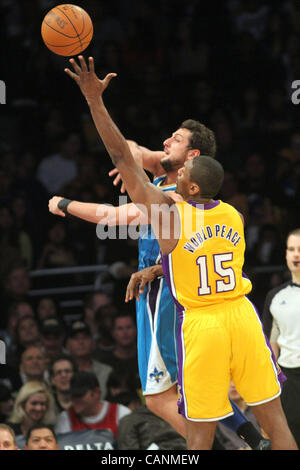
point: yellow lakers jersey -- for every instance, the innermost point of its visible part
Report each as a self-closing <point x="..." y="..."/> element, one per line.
<point x="205" y="267"/>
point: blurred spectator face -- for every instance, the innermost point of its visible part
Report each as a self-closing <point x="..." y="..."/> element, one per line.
<point x="6" y="220"/>
<point x="19" y="207"/>
<point x="233" y="393"/>
<point x="71" y="146"/>
<point x="53" y="344"/>
<point x="6" y="402"/>
<point x="104" y="317"/>
<point x="62" y="374"/>
<point x="33" y="362"/>
<point x="229" y="187"/>
<point x="86" y="404"/>
<point x="18" y="282"/>
<point x="7" y="440"/>
<point x="46" y="309"/>
<point x="57" y="233"/>
<point x="41" y="439"/>
<point x="80" y="345"/>
<point x="293" y="253"/>
<point x="36" y="406"/>
<point x="255" y="166"/>
<point x="98" y="300"/>
<point x="124" y="331"/>
<point x="27" y="331"/>
<point x="23" y="309"/>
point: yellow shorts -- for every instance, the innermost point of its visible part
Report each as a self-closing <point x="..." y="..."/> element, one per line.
<point x="218" y="344"/>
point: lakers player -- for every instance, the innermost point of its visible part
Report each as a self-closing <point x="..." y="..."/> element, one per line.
<point x="220" y="337"/>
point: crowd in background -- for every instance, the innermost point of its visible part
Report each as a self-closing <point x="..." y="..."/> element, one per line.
<point x="229" y="64"/>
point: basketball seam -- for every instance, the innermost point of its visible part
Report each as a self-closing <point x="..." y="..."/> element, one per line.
<point x="67" y="45"/>
<point x="72" y="24"/>
<point x="56" y="30"/>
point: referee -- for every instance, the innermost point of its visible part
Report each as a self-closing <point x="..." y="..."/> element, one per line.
<point x="281" y="321"/>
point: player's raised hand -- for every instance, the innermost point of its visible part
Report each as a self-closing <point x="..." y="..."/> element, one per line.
<point x="84" y="75"/>
<point x="117" y="179"/>
<point x="53" y="206"/>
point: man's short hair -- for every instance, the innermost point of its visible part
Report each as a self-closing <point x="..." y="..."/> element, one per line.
<point x="62" y="357"/>
<point x="7" y="428"/>
<point x="295" y="232"/>
<point x="39" y="426"/>
<point x="208" y="174"/>
<point x="202" y="138"/>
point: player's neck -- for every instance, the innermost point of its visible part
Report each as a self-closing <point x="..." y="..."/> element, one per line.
<point x="296" y="278"/>
<point x="200" y="200"/>
<point x="171" y="177"/>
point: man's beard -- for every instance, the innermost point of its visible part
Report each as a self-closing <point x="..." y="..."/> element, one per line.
<point x="167" y="164"/>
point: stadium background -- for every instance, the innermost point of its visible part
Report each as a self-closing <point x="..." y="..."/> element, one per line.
<point x="229" y="64"/>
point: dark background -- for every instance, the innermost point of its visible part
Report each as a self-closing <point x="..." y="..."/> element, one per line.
<point x="229" y="64"/>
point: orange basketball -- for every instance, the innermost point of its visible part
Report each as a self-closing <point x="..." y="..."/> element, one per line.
<point x="67" y="30"/>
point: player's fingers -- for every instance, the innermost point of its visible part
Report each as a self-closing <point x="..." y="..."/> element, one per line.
<point x="82" y="63"/>
<point x="123" y="189"/>
<point x="117" y="180"/>
<point x="91" y="64"/>
<point x="72" y="74"/>
<point x="75" y="66"/>
<point x="113" y="172"/>
<point x="142" y="285"/>
<point x="108" y="78"/>
<point x="128" y="295"/>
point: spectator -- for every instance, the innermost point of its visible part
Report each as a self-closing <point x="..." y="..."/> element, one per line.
<point x="15" y="312"/>
<point x="6" y="403"/>
<point x="229" y="439"/>
<point x="122" y="390"/>
<point x="57" y="251"/>
<point x="80" y="345"/>
<point x="57" y="169"/>
<point x="104" y="321"/>
<point x="16" y="287"/>
<point x="141" y="430"/>
<point x="88" y="410"/>
<point x="124" y="355"/>
<point x="41" y="437"/>
<point x="282" y="325"/>
<point x="33" y="404"/>
<point x="61" y="370"/>
<point x="15" y="244"/>
<point x="52" y="337"/>
<point x="7" y="438"/>
<point x="46" y="307"/>
<point x="92" y="302"/>
<point x="27" y="334"/>
<point x="33" y="365"/>
<point x="231" y="194"/>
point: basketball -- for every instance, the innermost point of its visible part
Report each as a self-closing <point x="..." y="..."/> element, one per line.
<point x="67" y="30"/>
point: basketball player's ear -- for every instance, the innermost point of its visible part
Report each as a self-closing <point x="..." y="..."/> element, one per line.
<point x="193" y="153"/>
<point x="194" y="189"/>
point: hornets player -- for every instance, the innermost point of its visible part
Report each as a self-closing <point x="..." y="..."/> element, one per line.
<point x="156" y="313"/>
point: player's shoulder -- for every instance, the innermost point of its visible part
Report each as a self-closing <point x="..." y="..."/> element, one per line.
<point x="276" y="290"/>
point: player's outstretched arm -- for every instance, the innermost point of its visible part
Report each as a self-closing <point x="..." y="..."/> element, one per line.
<point x="141" y="191"/>
<point x="97" y="213"/>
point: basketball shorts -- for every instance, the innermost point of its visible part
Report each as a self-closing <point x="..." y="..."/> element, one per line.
<point x="219" y="344"/>
<point x="157" y="322"/>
